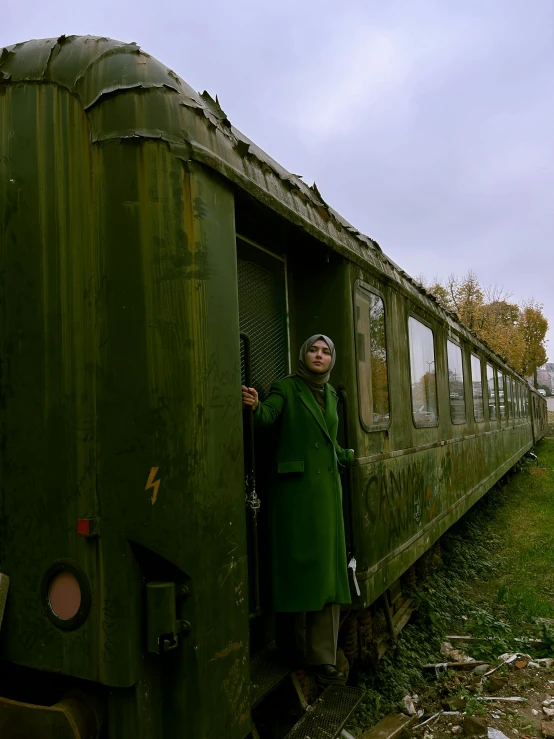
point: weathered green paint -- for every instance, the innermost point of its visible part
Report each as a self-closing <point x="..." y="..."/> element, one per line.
<point x="119" y="350"/>
<point x="119" y="376"/>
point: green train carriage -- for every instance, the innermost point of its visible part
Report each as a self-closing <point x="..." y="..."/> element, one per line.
<point x="142" y="235"/>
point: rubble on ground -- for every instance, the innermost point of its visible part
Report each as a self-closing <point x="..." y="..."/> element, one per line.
<point x="510" y="698"/>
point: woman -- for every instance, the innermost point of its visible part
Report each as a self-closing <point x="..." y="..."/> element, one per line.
<point x="308" y="551"/>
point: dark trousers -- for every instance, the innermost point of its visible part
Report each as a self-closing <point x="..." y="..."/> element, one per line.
<point x="321" y="634"/>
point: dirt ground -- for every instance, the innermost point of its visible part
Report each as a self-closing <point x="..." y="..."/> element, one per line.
<point x="455" y="697"/>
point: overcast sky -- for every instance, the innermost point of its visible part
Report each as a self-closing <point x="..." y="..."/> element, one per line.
<point x="428" y="124"/>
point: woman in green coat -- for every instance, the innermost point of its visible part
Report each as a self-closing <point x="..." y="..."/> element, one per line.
<point x="307" y="544"/>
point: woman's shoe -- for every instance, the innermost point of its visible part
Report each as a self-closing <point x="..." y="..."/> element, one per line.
<point x="329" y="675"/>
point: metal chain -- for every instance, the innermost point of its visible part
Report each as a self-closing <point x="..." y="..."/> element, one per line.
<point x="251" y="499"/>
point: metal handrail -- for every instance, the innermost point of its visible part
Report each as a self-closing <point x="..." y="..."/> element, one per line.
<point x="251" y="497"/>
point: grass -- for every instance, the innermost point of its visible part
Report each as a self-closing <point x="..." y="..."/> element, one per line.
<point x="496" y="579"/>
<point x="520" y="586"/>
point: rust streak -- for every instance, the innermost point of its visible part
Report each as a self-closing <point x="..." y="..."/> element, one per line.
<point x="228" y="650"/>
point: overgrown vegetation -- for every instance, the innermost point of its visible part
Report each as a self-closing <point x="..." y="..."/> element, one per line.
<point x="495" y="583"/>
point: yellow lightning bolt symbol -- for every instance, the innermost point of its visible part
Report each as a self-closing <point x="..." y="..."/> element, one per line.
<point x="155" y="484"/>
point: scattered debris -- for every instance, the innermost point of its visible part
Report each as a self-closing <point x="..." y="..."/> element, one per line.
<point x="506" y="659"/>
<point x="499" y="698"/>
<point x="491" y="638"/>
<point x="547" y="728"/>
<point x="428" y="720"/>
<point x="474" y="701"/>
<point x="453" y="655"/>
<point x="392" y="726"/>
<point x="474" y="726"/>
<point x="481" y="669"/>
<point x="454" y="665"/>
<point x="495" y="734"/>
<point x="408" y="704"/>
<point x="496" y="683"/>
<point x="453" y="705"/>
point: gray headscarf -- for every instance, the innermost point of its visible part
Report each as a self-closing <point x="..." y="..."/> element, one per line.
<point x="313" y="380"/>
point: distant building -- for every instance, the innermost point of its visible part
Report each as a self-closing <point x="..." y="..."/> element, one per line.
<point x="545" y="376"/>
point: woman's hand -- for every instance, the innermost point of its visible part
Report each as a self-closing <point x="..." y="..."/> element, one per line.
<point x="249" y="398"/>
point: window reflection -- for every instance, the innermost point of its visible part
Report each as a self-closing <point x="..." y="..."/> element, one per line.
<point x="477" y="383"/>
<point x="502" y="401"/>
<point x="373" y="390"/>
<point x="491" y="393"/>
<point x="456" y="383"/>
<point x="525" y="394"/>
<point x="422" y="368"/>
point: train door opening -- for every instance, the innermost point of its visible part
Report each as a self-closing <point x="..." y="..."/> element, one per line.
<point x="263" y="320"/>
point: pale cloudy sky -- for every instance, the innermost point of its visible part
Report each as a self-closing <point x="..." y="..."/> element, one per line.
<point x="428" y="124"/>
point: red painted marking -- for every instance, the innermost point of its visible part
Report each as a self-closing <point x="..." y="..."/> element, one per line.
<point x="83" y="526"/>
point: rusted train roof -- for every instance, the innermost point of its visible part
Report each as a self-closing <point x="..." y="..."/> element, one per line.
<point x="194" y="125"/>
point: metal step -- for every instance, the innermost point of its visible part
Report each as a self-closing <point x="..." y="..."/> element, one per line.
<point x="402" y="616"/>
<point x="395" y="593"/>
<point x="267" y="672"/>
<point x="325" y="718"/>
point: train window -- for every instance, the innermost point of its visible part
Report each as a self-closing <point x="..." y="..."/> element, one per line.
<point x="523" y="407"/>
<point x="514" y="398"/>
<point x="518" y="400"/>
<point x="491" y="392"/>
<point x="422" y="368"/>
<point x="524" y="401"/>
<point x="508" y="391"/>
<point x="477" y="383"/>
<point x="502" y="400"/>
<point x="373" y="388"/>
<point x="456" y="383"/>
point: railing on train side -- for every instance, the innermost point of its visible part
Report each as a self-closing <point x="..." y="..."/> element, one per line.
<point x="348" y="492"/>
<point x="251" y="497"/>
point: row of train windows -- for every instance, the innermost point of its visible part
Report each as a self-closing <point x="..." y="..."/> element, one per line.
<point x="505" y="397"/>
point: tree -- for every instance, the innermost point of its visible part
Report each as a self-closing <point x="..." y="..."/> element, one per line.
<point x="533" y="326"/>
<point x="500" y="328"/>
<point x="516" y="332"/>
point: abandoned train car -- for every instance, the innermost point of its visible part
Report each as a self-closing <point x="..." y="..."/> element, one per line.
<point x="152" y="257"/>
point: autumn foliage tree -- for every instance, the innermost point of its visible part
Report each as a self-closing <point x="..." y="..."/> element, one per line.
<point x="516" y="332"/>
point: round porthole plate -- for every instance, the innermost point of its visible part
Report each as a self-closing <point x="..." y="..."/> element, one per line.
<point x="65" y="594"/>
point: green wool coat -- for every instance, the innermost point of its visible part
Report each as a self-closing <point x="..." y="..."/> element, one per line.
<point x="307" y="545"/>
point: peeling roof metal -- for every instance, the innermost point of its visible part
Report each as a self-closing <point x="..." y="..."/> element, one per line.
<point x="99" y="71"/>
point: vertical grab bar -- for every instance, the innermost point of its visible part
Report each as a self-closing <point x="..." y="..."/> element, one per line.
<point x="251" y="498"/>
<point x="349" y="522"/>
